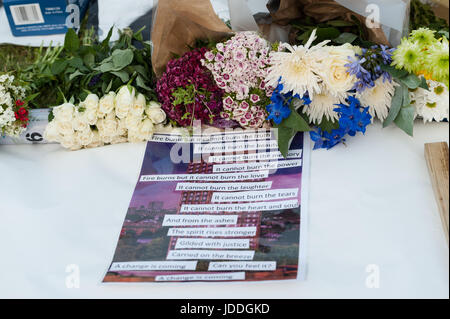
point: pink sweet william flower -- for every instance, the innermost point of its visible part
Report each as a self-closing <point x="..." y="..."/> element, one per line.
<point x="228" y="100"/>
<point x="245" y="106"/>
<point x="255" y="98"/>
<point x="209" y="56"/>
<point x="240" y="67"/>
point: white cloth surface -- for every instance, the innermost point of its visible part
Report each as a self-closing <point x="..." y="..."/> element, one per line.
<point x="371" y="203"/>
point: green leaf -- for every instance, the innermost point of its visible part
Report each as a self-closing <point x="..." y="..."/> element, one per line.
<point x="304" y="37"/>
<point x="76" y="62"/>
<point x="75" y="74"/>
<point x="285" y="136"/>
<point x="119" y="60"/>
<point x="141" y="70"/>
<point x="31" y="97"/>
<point x="424" y="84"/>
<point x="89" y="60"/>
<point x="346" y="38"/>
<point x="412" y="81"/>
<point x="71" y="41"/>
<point x="51" y="116"/>
<point x="397" y="102"/>
<point x="405" y="119"/>
<point x="105" y="43"/>
<point x="122" y="75"/>
<point x="108" y="88"/>
<point x="58" y="66"/>
<point x="122" y="58"/>
<point x="327" y="34"/>
<point x="396" y="73"/>
<point x="406" y="101"/>
<point x="296" y="122"/>
<point x="141" y="83"/>
<point x="106" y="67"/>
<point x="328" y="126"/>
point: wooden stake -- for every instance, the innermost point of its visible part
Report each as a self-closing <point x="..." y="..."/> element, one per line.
<point x="437" y="156"/>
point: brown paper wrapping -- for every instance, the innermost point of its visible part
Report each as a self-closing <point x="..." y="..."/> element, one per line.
<point x="283" y="11"/>
<point x="178" y="25"/>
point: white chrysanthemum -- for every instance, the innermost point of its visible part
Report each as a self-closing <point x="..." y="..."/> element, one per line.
<point x="323" y="105"/>
<point x="432" y="105"/>
<point x="299" y="68"/>
<point x="378" y="98"/>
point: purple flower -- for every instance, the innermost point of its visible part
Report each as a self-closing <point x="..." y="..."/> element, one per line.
<point x="182" y="73"/>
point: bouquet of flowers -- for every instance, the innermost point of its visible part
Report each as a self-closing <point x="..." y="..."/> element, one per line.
<point x="112" y="119"/>
<point x="425" y="55"/>
<point x="14" y="112"/>
<point x="338" y="89"/>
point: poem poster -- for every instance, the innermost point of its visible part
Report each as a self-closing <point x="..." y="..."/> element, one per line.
<point x="223" y="207"/>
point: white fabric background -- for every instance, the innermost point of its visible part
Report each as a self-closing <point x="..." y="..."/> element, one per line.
<point x="370" y="203"/>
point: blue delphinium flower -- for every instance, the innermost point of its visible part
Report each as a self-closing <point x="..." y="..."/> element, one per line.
<point x="280" y="109"/>
<point x="318" y="139"/>
<point x="306" y="99"/>
<point x="367" y="66"/>
<point x="386" y="54"/>
<point x="353" y="118"/>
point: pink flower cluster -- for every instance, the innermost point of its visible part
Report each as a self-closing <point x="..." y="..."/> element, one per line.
<point x="181" y="73"/>
<point x="239" y="67"/>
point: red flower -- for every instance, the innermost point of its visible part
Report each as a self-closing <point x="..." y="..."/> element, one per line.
<point x="19" y="103"/>
<point x="22" y="114"/>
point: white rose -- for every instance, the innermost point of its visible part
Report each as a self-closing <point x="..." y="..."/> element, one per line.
<point x="146" y="129"/>
<point x="64" y="112"/>
<point x="90" y="116"/>
<point x="335" y="74"/>
<point x="132" y="122"/>
<point x="96" y="140"/>
<point x="51" y="133"/>
<point x="107" y="104"/>
<point x="139" y="105"/>
<point x="71" y="142"/>
<point x="79" y="122"/>
<point x="65" y="128"/>
<point x="122" y="127"/>
<point x="154" y="104"/>
<point x="161" y="128"/>
<point x="91" y="102"/>
<point x="107" y="129"/>
<point x="85" y="137"/>
<point x="134" y="136"/>
<point x="124" y="101"/>
<point x="155" y="113"/>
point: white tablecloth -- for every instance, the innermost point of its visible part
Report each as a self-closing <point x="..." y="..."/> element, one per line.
<point x="371" y="207"/>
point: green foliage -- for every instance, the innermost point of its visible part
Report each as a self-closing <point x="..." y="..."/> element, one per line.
<point x="326" y="124"/>
<point x="189" y="95"/>
<point x="294" y="124"/>
<point x="337" y="31"/>
<point x="184" y="95"/>
<point x="402" y="113"/>
<point x="422" y="15"/>
<point x="13" y="57"/>
<point x="85" y="65"/>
